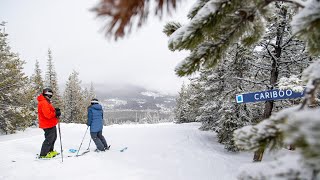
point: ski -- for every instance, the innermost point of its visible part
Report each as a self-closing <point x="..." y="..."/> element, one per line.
<point x="83" y="153"/>
<point x="123" y="149"/>
<point x="58" y="156"/>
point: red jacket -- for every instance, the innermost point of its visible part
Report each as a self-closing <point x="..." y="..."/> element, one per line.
<point x="46" y="113"/>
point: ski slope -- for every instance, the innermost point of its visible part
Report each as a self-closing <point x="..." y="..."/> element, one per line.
<point x="155" y="152"/>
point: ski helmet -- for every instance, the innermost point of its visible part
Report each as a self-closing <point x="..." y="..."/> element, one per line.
<point x="94" y="101"/>
<point x="47" y="92"/>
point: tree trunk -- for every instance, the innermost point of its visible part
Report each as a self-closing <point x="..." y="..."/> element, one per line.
<point x="273" y="78"/>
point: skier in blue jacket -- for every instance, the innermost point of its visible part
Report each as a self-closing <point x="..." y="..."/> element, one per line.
<point x="95" y="121"/>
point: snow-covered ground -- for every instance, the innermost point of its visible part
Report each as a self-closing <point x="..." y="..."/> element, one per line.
<point x="155" y="152"/>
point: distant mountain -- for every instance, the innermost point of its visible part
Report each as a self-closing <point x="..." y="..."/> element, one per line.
<point x="117" y="91"/>
<point x="133" y="97"/>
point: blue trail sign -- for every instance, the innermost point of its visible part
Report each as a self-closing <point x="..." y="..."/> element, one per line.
<point x="274" y="94"/>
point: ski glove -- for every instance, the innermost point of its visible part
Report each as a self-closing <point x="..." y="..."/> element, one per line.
<point x="58" y="112"/>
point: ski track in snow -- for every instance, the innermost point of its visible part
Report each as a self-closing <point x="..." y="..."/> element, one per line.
<point x="155" y="152"/>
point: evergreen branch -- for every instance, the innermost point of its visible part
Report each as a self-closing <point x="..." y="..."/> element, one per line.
<point x="207" y="19"/>
<point x="310" y="93"/>
<point x="8" y="86"/>
<point x="250" y="81"/>
<point x="288" y="1"/>
<point x="260" y="67"/>
<point x="193" y="12"/>
<point x="293" y="61"/>
<point x="271" y="55"/>
<point x="12" y="105"/>
<point x="171" y="27"/>
<point x="228" y="92"/>
<point x="208" y="54"/>
<point x="287" y="43"/>
<point x="268" y="43"/>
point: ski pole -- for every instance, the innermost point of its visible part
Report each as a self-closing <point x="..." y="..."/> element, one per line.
<point x="82" y="140"/>
<point x="89" y="144"/>
<point x="60" y="140"/>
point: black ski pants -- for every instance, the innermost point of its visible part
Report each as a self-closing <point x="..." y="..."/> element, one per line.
<point x="50" y="135"/>
<point x="99" y="140"/>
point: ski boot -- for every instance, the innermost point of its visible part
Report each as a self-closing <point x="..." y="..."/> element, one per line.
<point x="48" y="156"/>
<point x="54" y="153"/>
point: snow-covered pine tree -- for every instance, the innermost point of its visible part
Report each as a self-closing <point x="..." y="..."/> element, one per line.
<point x="73" y="100"/>
<point x="219" y="112"/>
<point x="180" y="110"/>
<point x="92" y="93"/>
<point x="37" y="80"/>
<point x="36" y="87"/>
<point x="29" y="111"/>
<point x="51" y="81"/>
<point x="230" y="114"/>
<point x="88" y="95"/>
<point x="14" y="105"/>
<point x="193" y="100"/>
<point x="211" y="81"/>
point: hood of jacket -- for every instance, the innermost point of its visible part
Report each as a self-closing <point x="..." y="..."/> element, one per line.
<point x="96" y="106"/>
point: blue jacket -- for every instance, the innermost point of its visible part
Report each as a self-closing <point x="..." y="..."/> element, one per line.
<point x="95" y="118"/>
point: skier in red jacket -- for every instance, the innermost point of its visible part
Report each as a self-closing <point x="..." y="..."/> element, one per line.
<point x="48" y="119"/>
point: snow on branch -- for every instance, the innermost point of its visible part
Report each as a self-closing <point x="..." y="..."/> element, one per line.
<point x="312" y="72"/>
<point x="251" y="81"/>
<point x="312" y="75"/>
<point x="306" y="25"/>
<point x="299" y="3"/>
<point x="293" y="83"/>
<point x="187" y="31"/>
<point x="306" y="16"/>
<point x="279" y="169"/>
<point x="303" y="130"/>
<point x="267" y="131"/>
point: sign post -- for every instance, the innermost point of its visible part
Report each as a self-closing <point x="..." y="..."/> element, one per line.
<point x="274" y="94"/>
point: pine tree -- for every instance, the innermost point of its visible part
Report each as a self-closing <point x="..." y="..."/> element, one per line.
<point x="51" y="81"/>
<point x="37" y="80"/>
<point x="14" y="105"/>
<point x="91" y="93"/>
<point x="180" y="110"/>
<point x="219" y="112"/>
<point x="88" y="95"/>
<point x="230" y="114"/>
<point x="212" y="88"/>
<point x="194" y="99"/>
<point x="36" y="87"/>
<point x="73" y="100"/>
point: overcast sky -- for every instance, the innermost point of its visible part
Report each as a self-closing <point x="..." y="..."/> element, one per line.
<point x="74" y="35"/>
